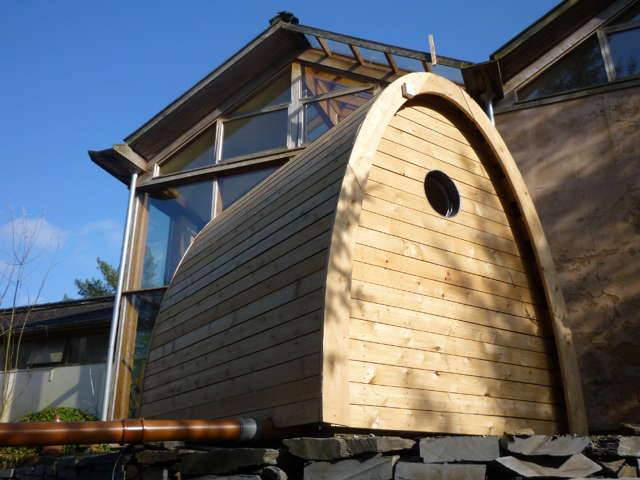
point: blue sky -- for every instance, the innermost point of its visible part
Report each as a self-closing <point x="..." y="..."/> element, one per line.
<point x="80" y="75"/>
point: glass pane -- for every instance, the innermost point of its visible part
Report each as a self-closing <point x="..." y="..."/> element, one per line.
<point x="232" y="187"/>
<point x="318" y="82"/>
<point x="87" y="349"/>
<point x="322" y="115"/>
<point x="625" y="52"/>
<point x="175" y="216"/>
<point x="630" y="15"/>
<point x="255" y="134"/>
<point x="580" y="68"/>
<point x="373" y="56"/>
<point x="50" y="352"/>
<point x="409" y="64"/>
<point x="146" y="306"/>
<point x="198" y="154"/>
<point x="450" y="73"/>
<point x="339" y="48"/>
<point x="313" y="41"/>
<point x="276" y="93"/>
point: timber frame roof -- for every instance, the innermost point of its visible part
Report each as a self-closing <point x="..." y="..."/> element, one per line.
<point x="280" y="43"/>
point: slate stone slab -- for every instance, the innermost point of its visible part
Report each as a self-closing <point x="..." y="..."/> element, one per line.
<point x="556" y="446"/>
<point x="228" y="477"/>
<point x="221" y="461"/>
<point x="459" y="449"/>
<point x="432" y="471"/>
<point x="152" y="457"/>
<point x="337" y="448"/>
<point x="374" y="468"/>
<point x="577" y="466"/>
<point x="629" y="447"/>
<point x="273" y="473"/>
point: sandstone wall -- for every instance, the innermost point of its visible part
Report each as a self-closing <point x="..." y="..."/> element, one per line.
<point x="581" y="161"/>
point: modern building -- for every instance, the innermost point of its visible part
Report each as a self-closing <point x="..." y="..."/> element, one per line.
<point x="57" y="358"/>
<point x="564" y="94"/>
<point x="234" y="128"/>
<point x="567" y="102"/>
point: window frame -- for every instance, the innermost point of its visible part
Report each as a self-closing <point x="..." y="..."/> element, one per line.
<point x="602" y="33"/>
<point x="155" y="180"/>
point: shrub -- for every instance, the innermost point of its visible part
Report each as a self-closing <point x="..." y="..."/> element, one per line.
<point x="12" y="456"/>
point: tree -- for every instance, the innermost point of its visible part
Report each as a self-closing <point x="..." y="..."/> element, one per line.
<point x="22" y="235"/>
<point x="99" y="287"/>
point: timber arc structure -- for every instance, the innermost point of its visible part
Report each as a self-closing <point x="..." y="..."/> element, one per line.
<point x="335" y="293"/>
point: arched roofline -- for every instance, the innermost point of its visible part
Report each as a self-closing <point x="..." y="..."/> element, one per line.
<point x="337" y="299"/>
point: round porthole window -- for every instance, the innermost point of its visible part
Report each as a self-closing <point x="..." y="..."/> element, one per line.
<point x="442" y="193"/>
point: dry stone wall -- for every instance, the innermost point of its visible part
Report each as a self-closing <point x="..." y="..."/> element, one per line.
<point x="356" y="458"/>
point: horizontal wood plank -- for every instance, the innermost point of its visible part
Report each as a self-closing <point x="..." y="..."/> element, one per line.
<point x="439" y="381"/>
<point x="415" y="399"/>
<point x="413" y="358"/>
<point x="453" y="423"/>
<point x="369" y="331"/>
<point x="426" y="322"/>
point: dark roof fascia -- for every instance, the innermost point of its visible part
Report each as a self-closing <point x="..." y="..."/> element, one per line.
<point x="383" y="47"/>
<point x="532" y="29"/>
<point x="132" y="137"/>
<point x="544" y="34"/>
<point x="274" y="47"/>
<point x="120" y="161"/>
<point x="82" y="302"/>
<point x="483" y="82"/>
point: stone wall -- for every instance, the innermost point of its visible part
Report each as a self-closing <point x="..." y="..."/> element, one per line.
<point x="581" y="162"/>
<point x="355" y="458"/>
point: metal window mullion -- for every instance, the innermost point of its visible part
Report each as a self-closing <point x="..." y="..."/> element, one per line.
<point x="606" y="55"/>
<point x="622" y="27"/>
<point x="294" y="132"/>
<point x="254" y="113"/>
<point x="338" y="93"/>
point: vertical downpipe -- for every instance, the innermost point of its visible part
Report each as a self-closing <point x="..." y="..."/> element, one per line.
<point x="113" y="333"/>
<point x="489" y="110"/>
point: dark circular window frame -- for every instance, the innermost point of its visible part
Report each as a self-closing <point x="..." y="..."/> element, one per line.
<point x="442" y="193"/>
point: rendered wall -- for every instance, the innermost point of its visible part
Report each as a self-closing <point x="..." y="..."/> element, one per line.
<point x="581" y="162"/>
<point x="78" y="386"/>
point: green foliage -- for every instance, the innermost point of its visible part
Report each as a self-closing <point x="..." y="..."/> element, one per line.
<point x="99" y="287"/>
<point x="62" y="414"/>
<point x="12" y="456"/>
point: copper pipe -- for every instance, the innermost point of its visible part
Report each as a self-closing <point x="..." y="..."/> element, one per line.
<point x="126" y="431"/>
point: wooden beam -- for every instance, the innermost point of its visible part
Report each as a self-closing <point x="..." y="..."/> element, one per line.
<point x="357" y="53"/>
<point x="325" y="46"/>
<point x="124" y="150"/>
<point x="392" y="62"/>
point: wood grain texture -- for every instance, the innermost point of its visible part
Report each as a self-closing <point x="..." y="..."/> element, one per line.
<point x="240" y="328"/>
<point x="334" y="287"/>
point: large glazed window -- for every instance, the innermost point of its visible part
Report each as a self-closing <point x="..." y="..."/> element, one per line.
<point x="145" y="309"/>
<point x="623" y="37"/>
<point x="174" y="217"/>
<point x="321" y="115"/>
<point x="269" y="121"/>
<point x="233" y="187"/>
<point x="197" y="154"/>
<point x="611" y="54"/>
<point x="583" y="67"/>
<point x="257" y="133"/>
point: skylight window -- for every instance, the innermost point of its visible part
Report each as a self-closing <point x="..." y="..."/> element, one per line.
<point x="373" y="56"/>
<point x="339" y="48"/>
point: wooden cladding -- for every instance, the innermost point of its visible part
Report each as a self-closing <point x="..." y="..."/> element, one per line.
<point x="334" y="293"/>
<point x="446" y="332"/>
